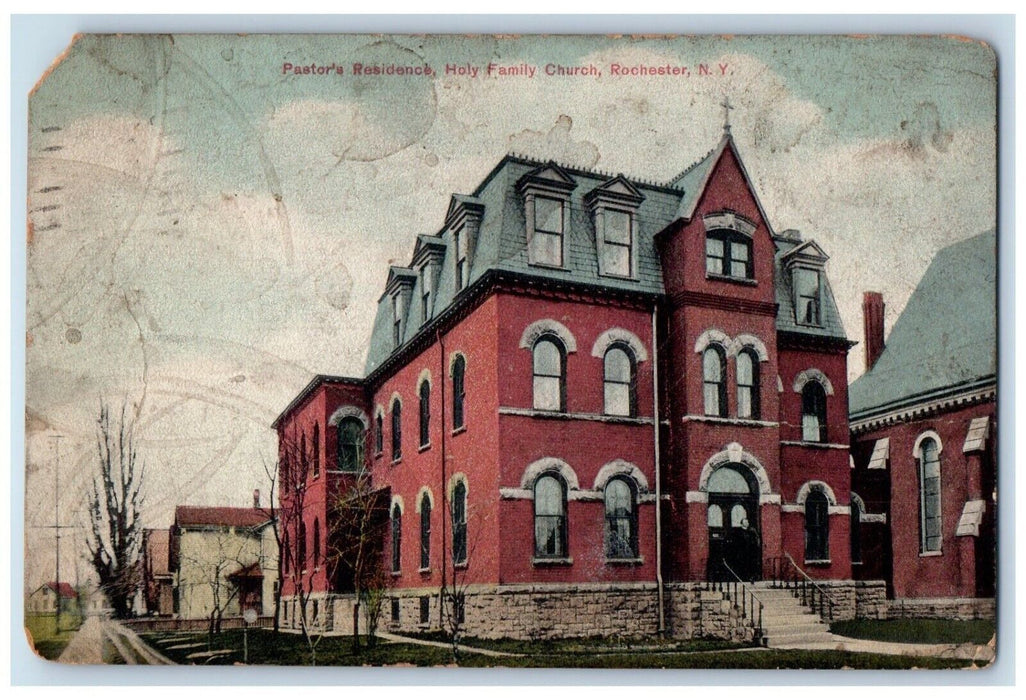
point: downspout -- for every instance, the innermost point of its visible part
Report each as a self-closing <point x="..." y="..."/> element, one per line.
<point x="445" y="495"/>
<point x="658" y="484"/>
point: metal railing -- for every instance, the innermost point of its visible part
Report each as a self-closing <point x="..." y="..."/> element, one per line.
<point x="742" y="596"/>
<point x="788" y="575"/>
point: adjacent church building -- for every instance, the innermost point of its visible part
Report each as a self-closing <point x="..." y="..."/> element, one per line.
<point x="587" y="397"/>
<point x="924" y="440"/>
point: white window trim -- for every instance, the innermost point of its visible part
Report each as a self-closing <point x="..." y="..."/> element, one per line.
<point x="621" y="468"/>
<point x="812" y="375"/>
<point x="549" y="464"/>
<point x="619" y="335"/>
<point x="532" y="223"/>
<point x="917" y="452"/>
<point x="547" y="326"/>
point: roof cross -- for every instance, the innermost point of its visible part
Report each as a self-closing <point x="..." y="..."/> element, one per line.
<point x="726" y="114"/>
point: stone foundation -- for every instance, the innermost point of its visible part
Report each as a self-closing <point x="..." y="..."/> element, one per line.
<point x="548" y="611"/>
<point x="946" y="608"/>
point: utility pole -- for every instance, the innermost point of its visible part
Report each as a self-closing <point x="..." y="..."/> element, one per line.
<point x="57" y="527"/>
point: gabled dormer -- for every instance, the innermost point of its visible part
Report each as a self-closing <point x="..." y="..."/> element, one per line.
<point x="463" y="223"/>
<point x="614" y="207"/>
<point x="399" y="291"/>
<point x="546" y="193"/>
<point x="805" y="263"/>
<point x="428" y="254"/>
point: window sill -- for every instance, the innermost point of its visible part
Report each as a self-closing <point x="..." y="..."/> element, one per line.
<point x="808" y="325"/>
<point x="424" y="448"/>
<point x="424" y="571"/>
<point x="937" y="553"/>
<point x="626" y="278"/>
<point x="548" y="266"/>
<point x="457" y="431"/>
<point x="625" y="561"/>
<point x="396" y="461"/>
<point x="461" y="566"/>
<point x="396" y="574"/>
<point x="748" y="282"/>
<point x="553" y="561"/>
<point x="817" y="562"/>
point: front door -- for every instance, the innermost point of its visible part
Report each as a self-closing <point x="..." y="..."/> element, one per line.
<point x="733" y="520"/>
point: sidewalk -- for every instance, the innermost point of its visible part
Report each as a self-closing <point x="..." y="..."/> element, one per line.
<point x="444" y="645"/>
<point x="86" y="647"/>
<point x="979" y="653"/>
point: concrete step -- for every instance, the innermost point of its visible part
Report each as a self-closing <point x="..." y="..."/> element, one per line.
<point x="799" y="639"/>
<point x="778" y="630"/>
<point x="781" y="620"/>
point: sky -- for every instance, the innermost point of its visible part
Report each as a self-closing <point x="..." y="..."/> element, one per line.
<point x="208" y="229"/>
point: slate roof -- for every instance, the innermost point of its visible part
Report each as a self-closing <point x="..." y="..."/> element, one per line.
<point x="502" y="245"/>
<point x="945" y="339"/>
<point x="221" y="516"/>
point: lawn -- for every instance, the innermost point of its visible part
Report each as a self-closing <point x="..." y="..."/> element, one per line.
<point x="266" y="647"/>
<point x="49" y="642"/>
<point x="587" y="645"/>
<point x="920" y="631"/>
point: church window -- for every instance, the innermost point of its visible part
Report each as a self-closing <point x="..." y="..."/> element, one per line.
<point x="459" y="523"/>
<point x="459" y="368"/>
<point x="425" y="531"/>
<point x="425" y="413"/>
<point x="929" y="496"/>
<point x="397" y="533"/>
<point x="397" y="430"/>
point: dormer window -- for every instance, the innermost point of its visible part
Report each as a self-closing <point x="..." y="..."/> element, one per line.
<point x="462" y="270"/>
<point x="807" y="293"/>
<point x="397" y="320"/>
<point x="613" y="205"/>
<point x="546" y="192"/>
<point x="728" y="254"/>
<point x="425" y="292"/>
<point x="547" y="241"/>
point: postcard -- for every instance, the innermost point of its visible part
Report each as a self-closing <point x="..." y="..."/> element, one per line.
<point x="515" y="351"/>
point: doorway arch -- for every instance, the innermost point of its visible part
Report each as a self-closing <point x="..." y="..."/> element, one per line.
<point x="735" y="543"/>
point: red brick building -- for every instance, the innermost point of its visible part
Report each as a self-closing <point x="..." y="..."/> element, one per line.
<point x="924" y="440"/>
<point x="568" y="350"/>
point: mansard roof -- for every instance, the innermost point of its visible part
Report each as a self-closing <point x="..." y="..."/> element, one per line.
<point x="945" y="340"/>
<point x="501" y="242"/>
<point x="830" y="318"/>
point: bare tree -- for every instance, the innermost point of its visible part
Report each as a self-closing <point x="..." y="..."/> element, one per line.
<point x="455" y="581"/>
<point x="115" y="536"/>
<point x="212" y="567"/>
<point x="359" y="520"/>
<point x="295" y="469"/>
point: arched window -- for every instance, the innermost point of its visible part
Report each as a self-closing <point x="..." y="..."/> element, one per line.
<point x="301" y="553"/>
<point x="379" y="434"/>
<point x="549" y="517"/>
<point x="286" y="548"/>
<point x="350" y="444"/>
<point x="425" y="531"/>
<point x="397" y="534"/>
<point x="549" y="374"/>
<point x="747" y="384"/>
<point x="397" y="430"/>
<point x="621" y="520"/>
<point x="425" y="413"/>
<point x="929" y="496"/>
<point x="814" y="419"/>
<point x="317" y="543"/>
<point x="619" y="381"/>
<point x="304" y="462"/>
<point x="817" y="526"/>
<point x="459" y="367"/>
<point x="459" y="523"/>
<point x="714" y="377"/>
<point x="317" y="449"/>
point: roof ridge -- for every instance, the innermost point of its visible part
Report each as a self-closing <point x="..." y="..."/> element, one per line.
<point x="532" y="160"/>
<point x="685" y="171"/>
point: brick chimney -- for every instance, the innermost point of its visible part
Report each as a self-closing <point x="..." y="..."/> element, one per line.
<point x="256" y="498"/>
<point x="873" y="326"/>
